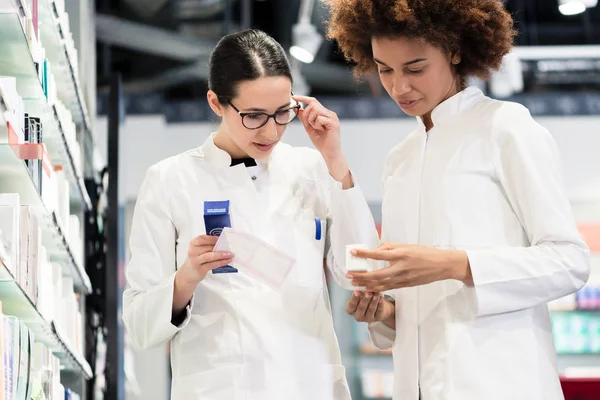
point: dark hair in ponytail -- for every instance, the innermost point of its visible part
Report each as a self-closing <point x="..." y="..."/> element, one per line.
<point x="242" y="56"/>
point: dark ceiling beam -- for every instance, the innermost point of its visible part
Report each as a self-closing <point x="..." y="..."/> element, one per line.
<point x="163" y="43"/>
<point x="321" y="75"/>
<point x="146" y="8"/>
<point x="148" y="39"/>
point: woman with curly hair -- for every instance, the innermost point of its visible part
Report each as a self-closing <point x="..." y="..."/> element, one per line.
<point x="480" y="235"/>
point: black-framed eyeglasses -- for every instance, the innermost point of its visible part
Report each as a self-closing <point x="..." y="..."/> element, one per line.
<point x="256" y="119"/>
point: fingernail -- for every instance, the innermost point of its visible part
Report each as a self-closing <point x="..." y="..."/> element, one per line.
<point x="368" y="295"/>
<point x="357" y="294"/>
<point x="350" y="276"/>
<point x="353" y="252"/>
<point x="228" y="254"/>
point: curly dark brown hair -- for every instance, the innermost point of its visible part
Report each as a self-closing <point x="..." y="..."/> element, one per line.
<point x="481" y="31"/>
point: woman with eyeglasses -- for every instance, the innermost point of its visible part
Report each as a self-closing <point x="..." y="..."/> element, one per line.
<point x="234" y="337"/>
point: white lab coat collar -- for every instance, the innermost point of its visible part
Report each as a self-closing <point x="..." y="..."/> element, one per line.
<point x="211" y="153"/>
<point x="453" y="107"/>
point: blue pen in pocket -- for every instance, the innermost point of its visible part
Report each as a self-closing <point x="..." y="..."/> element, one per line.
<point x="216" y="217"/>
<point x="318" y="232"/>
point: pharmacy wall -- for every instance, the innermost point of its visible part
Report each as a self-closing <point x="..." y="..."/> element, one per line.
<point x="146" y="140"/>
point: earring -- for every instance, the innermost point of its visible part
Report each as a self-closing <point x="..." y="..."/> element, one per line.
<point x="456" y="61"/>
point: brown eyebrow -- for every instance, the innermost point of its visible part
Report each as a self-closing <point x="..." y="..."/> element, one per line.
<point x="263" y="110"/>
<point x="417" y="60"/>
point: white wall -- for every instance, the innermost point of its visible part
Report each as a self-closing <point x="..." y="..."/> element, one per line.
<point x="148" y="139"/>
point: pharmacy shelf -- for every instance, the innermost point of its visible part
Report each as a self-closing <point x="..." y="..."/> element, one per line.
<point x="15" y="178"/>
<point x="16" y="60"/>
<point x="53" y="33"/>
<point x="17" y="303"/>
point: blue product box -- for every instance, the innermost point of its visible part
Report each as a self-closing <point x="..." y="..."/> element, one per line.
<point x="216" y="217"/>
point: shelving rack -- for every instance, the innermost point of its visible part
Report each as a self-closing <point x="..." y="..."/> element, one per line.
<point x="17" y="61"/>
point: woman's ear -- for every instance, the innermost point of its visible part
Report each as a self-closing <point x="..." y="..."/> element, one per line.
<point x="455" y="58"/>
<point x="213" y="102"/>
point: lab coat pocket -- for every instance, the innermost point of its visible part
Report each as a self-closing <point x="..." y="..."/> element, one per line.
<point x="222" y="383"/>
<point x="309" y="237"/>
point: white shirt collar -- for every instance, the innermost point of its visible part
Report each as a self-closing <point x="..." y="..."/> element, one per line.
<point x="221" y="158"/>
<point x="454" y="106"/>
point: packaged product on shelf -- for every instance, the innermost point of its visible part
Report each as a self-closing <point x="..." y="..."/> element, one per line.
<point x="49" y="190"/>
<point x="30" y="363"/>
<point x="46" y="290"/>
<point x="58" y="388"/>
<point x="62" y="204"/>
<point x="71" y="308"/>
<point x="588" y="297"/>
<point x="33" y="135"/>
<point x="15" y="113"/>
<point x="31" y="248"/>
<point x="67" y="124"/>
<point x="31" y="251"/>
<point x="9" y="228"/>
<point x="75" y="239"/>
<point x="60" y="6"/>
<point x="17" y="358"/>
<point x="25" y="362"/>
<point x="10" y="348"/>
<point x="43" y="372"/>
<point x="61" y="317"/>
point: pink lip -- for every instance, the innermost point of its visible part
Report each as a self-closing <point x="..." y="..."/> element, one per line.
<point x="264" y="147"/>
<point x="407" y="104"/>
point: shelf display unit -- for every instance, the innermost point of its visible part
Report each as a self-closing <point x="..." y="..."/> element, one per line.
<point x="46" y="148"/>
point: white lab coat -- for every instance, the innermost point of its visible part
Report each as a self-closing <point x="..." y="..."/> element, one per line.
<point x="486" y="179"/>
<point x="242" y="339"/>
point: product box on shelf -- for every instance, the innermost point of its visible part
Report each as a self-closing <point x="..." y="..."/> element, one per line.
<point x="16" y="356"/>
<point x="44" y="370"/>
<point x="9" y="231"/>
<point x="31" y="246"/>
<point x="46" y="290"/>
<point x="75" y="239"/>
<point x="15" y="112"/>
<point x="63" y="207"/>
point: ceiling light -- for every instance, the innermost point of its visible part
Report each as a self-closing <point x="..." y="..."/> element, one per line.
<point x="571" y="7"/>
<point x="306" y="41"/>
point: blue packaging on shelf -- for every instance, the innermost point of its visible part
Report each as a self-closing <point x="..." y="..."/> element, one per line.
<point x="216" y="217"/>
